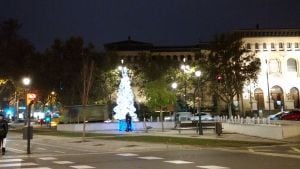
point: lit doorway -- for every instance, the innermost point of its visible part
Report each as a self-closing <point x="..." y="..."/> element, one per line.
<point x="294" y="92"/>
<point x="277" y="97"/>
<point x="259" y="97"/>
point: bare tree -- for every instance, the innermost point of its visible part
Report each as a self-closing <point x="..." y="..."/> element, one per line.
<point x="87" y="80"/>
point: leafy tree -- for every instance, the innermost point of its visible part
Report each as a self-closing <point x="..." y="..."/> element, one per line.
<point x="230" y="65"/>
<point x="159" y="95"/>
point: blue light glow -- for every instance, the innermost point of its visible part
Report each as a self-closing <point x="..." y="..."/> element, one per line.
<point x="123" y="125"/>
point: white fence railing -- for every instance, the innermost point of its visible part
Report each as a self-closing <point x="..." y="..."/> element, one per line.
<point x="247" y="120"/>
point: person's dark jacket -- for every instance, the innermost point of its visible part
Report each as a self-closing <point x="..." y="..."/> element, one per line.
<point x="3" y="128"/>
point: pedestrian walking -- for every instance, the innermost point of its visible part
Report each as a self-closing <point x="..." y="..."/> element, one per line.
<point x="128" y="122"/>
<point x="3" y="133"/>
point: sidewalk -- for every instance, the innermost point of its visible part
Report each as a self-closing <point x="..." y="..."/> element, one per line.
<point x="193" y="134"/>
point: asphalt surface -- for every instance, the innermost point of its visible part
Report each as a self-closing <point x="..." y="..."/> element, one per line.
<point x="50" y="152"/>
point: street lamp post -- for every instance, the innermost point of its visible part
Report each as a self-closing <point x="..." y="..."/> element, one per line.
<point x="174" y="87"/>
<point x="186" y="68"/>
<point x="268" y="86"/>
<point x="198" y="74"/>
<point x="26" y="82"/>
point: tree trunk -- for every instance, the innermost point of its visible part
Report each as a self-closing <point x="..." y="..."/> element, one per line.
<point x="87" y="74"/>
<point x="84" y="127"/>
<point x="242" y="105"/>
<point x="162" y="120"/>
<point x="230" y="108"/>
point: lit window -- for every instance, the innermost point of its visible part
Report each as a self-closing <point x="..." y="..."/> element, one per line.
<point x="273" y="66"/>
<point x="292" y="65"/>
<point x="256" y="46"/>
<point x="248" y="46"/>
<point x="265" y="46"/>
<point x="281" y="45"/>
<point x="272" y="46"/>
<point x="289" y="45"/>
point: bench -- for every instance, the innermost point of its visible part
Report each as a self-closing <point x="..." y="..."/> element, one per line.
<point x="193" y="125"/>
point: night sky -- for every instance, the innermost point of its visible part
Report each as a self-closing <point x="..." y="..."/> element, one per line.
<point x="162" y="22"/>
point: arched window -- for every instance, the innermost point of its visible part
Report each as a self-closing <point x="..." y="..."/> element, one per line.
<point x="294" y="92"/>
<point x="259" y="97"/>
<point x="256" y="46"/>
<point x="264" y="46"/>
<point x="248" y="46"/>
<point x="277" y="96"/>
<point x="273" y="66"/>
<point x="292" y="65"/>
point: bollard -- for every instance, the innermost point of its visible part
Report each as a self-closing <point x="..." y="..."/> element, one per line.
<point x="218" y="128"/>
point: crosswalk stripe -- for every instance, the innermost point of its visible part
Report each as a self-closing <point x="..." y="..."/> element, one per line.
<point x="37" y="168"/>
<point x="212" y="167"/>
<point x="81" y="166"/>
<point x="150" y="158"/>
<point x="10" y="160"/>
<point x="127" y="154"/>
<point x="63" y="162"/>
<point x="59" y="152"/>
<point x="48" y="158"/>
<point x="179" y="162"/>
<point x="42" y="148"/>
<point x="15" y="150"/>
<point x="295" y="149"/>
<point x="17" y="164"/>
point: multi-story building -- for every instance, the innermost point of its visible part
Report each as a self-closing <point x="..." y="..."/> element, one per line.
<point x="278" y="82"/>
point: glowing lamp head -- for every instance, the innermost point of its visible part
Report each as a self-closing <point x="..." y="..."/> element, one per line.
<point x="26" y="81"/>
<point x="198" y="73"/>
<point x="174" y="85"/>
<point x="53" y="93"/>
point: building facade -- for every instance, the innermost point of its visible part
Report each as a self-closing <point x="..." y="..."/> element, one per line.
<point x="278" y="82"/>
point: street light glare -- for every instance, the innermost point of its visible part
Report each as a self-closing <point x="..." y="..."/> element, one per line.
<point x="26" y="81"/>
<point x="198" y="73"/>
<point x="182" y="67"/>
<point x="120" y="68"/>
<point x="174" y="85"/>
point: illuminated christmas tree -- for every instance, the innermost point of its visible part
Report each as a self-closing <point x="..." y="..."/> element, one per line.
<point x="125" y="98"/>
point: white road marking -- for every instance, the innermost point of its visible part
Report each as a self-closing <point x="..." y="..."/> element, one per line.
<point x="17" y="165"/>
<point x="59" y="152"/>
<point x="179" y="162"/>
<point x="212" y="167"/>
<point x="150" y="158"/>
<point x="64" y="147"/>
<point x="63" y="162"/>
<point x="10" y="160"/>
<point x="15" y="150"/>
<point x="48" y="158"/>
<point x="81" y="166"/>
<point x="41" y="148"/>
<point x="127" y="155"/>
<point x="37" y="168"/>
<point x="295" y="149"/>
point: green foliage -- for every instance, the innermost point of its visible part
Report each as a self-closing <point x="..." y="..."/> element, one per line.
<point x="229" y="60"/>
<point x="159" y="94"/>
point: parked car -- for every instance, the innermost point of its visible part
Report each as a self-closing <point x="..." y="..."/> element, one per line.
<point x="179" y="116"/>
<point x="277" y="116"/>
<point x="204" y="117"/>
<point x="293" y="115"/>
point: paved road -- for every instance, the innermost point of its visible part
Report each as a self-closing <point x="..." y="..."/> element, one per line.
<point x="60" y="153"/>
